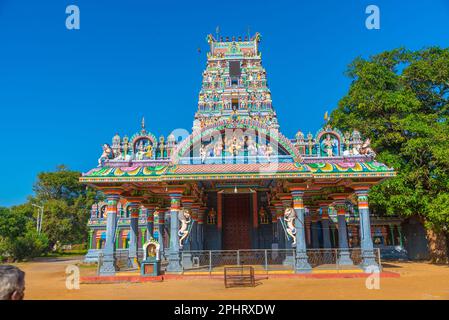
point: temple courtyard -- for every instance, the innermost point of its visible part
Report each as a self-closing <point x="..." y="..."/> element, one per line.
<point x="46" y="279"/>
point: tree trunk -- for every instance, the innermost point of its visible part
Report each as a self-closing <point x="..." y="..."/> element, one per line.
<point x="438" y="246"/>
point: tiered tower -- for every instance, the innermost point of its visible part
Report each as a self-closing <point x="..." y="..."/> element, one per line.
<point x="234" y="84"/>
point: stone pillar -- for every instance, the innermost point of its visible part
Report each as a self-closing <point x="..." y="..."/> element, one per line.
<point x="187" y="203"/>
<point x="150" y="221"/>
<point x="108" y="265"/>
<point x="91" y="231"/>
<point x="325" y="226"/>
<point x="308" y="225"/>
<point x="344" y="257"/>
<point x="194" y="232"/>
<point x="200" y="228"/>
<point x="314" y="226"/>
<point x="133" y="233"/>
<point x="286" y="200"/>
<point x="366" y="242"/>
<point x="160" y="230"/>
<point x="280" y="229"/>
<point x="301" y="264"/>
<point x="174" y="264"/>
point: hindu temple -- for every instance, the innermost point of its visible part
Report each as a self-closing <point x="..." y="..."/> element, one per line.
<point x="235" y="182"/>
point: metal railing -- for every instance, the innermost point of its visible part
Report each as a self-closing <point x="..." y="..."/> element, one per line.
<point x="266" y="260"/>
<point x="262" y="260"/>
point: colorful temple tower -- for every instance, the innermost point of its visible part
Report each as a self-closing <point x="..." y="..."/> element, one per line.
<point x="236" y="182"/>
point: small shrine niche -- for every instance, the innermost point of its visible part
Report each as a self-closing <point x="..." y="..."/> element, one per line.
<point x="329" y="145"/>
<point x="143" y="149"/>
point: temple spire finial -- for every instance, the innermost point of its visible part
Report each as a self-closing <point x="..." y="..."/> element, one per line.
<point x="143" y="124"/>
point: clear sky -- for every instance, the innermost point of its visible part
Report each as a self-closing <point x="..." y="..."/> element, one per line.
<point x="63" y="93"/>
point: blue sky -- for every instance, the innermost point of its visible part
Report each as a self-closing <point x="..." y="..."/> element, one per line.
<point x="65" y="92"/>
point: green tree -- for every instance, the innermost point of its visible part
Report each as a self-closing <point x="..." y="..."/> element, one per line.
<point x="18" y="236"/>
<point x="66" y="204"/>
<point x="400" y="99"/>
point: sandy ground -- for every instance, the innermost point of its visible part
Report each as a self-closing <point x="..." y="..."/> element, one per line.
<point x="46" y="279"/>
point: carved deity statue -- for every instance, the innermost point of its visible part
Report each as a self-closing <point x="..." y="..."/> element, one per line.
<point x="251" y="146"/>
<point x="365" y="149"/>
<point x="203" y="153"/>
<point x="140" y="151"/>
<point x="185" y="218"/>
<point x="289" y="218"/>
<point x="218" y="148"/>
<point x="234" y="145"/>
<point x="328" y="145"/>
<point x="106" y="155"/>
<point x="149" y="151"/>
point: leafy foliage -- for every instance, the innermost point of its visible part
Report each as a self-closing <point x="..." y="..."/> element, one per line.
<point x="400" y="99"/>
<point x="66" y="205"/>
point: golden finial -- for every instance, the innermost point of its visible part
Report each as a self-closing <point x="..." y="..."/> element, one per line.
<point x="326" y="116"/>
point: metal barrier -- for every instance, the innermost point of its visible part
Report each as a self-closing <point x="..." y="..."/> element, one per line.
<point x="266" y="260"/>
<point x="262" y="260"/>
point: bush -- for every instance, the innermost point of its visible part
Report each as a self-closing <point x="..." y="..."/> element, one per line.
<point x="24" y="247"/>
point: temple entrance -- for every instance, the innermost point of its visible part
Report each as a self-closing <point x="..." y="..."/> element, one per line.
<point x="236" y="221"/>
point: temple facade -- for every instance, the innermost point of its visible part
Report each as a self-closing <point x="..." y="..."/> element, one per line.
<point x="235" y="181"/>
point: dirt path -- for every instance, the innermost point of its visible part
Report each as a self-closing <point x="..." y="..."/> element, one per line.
<point x="45" y="279"/>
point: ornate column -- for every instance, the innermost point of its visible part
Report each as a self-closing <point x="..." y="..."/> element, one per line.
<point x="150" y="220"/>
<point x="174" y="258"/>
<point x="344" y="257"/>
<point x="301" y="264"/>
<point x="286" y="200"/>
<point x="280" y="215"/>
<point x="325" y="225"/>
<point x="308" y="225"/>
<point x="108" y="265"/>
<point x="195" y="228"/>
<point x="91" y="231"/>
<point x="133" y="204"/>
<point x="187" y="203"/>
<point x="314" y="216"/>
<point x="366" y="242"/>
<point x="200" y="233"/>
<point x="160" y="214"/>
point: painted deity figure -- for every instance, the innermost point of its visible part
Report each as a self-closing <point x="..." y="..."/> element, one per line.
<point x="234" y="145"/>
<point x="106" y="155"/>
<point x="149" y="151"/>
<point x="251" y="146"/>
<point x="268" y="151"/>
<point x="218" y="148"/>
<point x="185" y="218"/>
<point x="140" y="151"/>
<point x="289" y="218"/>
<point x="365" y="149"/>
<point x="328" y="145"/>
<point x="203" y="153"/>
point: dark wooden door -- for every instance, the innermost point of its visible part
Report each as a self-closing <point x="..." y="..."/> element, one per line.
<point x="236" y="222"/>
